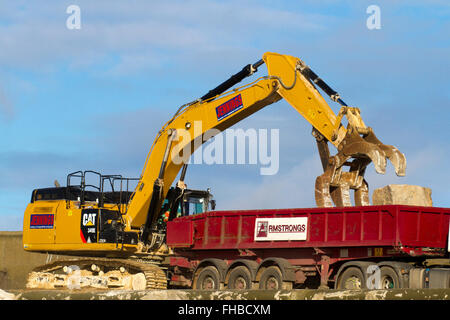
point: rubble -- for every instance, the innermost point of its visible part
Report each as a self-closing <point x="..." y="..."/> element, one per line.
<point x="266" y="295"/>
<point x="6" y="296"/>
<point x="402" y="194"/>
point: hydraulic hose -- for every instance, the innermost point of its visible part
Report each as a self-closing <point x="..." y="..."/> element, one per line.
<point x="247" y="71"/>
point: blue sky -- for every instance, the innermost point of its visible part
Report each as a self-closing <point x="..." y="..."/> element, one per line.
<point x="94" y="98"/>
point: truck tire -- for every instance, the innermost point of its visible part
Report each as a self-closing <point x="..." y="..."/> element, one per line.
<point x="271" y="279"/>
<point x="208" y="279"/>
<point x="351" y="279"/>
<point x="240" y="278"/>
<point x="389" y="278"/>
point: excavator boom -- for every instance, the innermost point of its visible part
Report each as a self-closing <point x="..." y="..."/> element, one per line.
<point x="288" y="78"/>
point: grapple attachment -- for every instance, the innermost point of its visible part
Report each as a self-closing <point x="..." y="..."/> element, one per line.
<point x="356" y="150"/>
<point x="357" y="147"/>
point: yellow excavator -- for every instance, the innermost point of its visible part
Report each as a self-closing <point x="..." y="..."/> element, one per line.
<point x="118" y="235"/>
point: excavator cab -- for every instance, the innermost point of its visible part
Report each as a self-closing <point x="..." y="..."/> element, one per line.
<point x="196" y="202"/>
<point x="190" y="202"/>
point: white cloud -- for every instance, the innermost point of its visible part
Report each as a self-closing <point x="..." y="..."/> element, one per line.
<point x="36" y="36"/>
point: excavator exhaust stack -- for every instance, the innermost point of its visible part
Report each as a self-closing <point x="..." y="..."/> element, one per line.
<point x="357" y="150"/>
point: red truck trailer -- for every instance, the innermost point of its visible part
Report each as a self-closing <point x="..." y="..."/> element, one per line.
<point x="389" y="246"/>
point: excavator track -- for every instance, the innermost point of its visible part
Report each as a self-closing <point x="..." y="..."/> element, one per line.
<point x="98" y="273"/>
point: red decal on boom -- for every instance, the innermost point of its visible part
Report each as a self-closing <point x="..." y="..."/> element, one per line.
<point x="229" y="107"/>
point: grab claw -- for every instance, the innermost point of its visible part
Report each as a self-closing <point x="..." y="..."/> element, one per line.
<point x="334" y="185"/>
<point x="397" y="158"/>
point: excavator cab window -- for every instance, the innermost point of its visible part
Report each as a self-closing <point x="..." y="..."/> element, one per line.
<point x="193" y="202"/>
<point x="197" y="201"/>
<point x="194" y="206"/>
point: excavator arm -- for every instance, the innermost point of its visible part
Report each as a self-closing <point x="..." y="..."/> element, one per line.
<point x="288" y="78"/>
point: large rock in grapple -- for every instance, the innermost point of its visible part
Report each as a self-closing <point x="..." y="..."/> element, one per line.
<point x="402" y="194"/>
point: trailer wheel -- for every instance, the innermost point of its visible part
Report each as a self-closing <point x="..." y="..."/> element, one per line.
<point x="389" y="278"/>
<point x="271" y="279"/>
<point x="208" y="279"/>
<point x="351" y="279"/>
<point x="240" y="278"/>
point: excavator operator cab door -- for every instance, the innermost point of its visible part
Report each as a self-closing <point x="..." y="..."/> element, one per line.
<point x="197" y="201"/>
<point x="192" y="202"/>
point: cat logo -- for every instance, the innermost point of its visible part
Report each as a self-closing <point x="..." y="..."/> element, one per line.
<point x="89" y="219"/>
